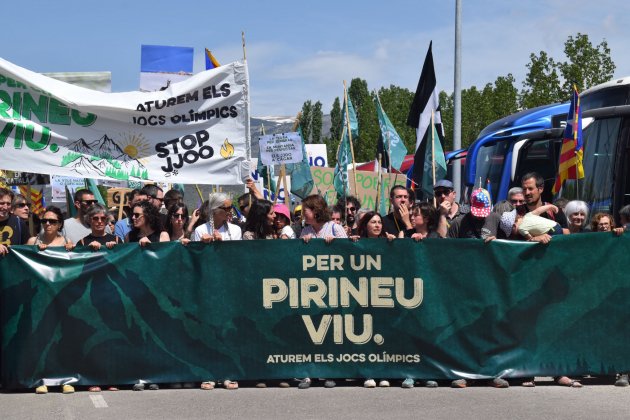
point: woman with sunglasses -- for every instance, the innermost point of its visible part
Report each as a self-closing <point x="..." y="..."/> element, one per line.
<point x="147" y="226"/>
<point x="97" y="218"/>
<point x="52" y="224"/>
<point x="218" y="226"/>
<point x="22" y="209"/>
<point x="176" y="222"/>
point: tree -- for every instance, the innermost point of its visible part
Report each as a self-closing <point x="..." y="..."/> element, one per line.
<point x="365" y="145"/>
<point x="305" y="121"/>
<point x="542" y="83"/>
<point x="446" y="112"/>
<point x="316" y="123"/>
<point x="587" y="66"/>
<point x="332" y="142"/>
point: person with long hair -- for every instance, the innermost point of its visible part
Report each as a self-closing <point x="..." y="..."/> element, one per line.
<point x="317" y="217"/>
<point x="604" y="222"/>
<point x="218" y="226"/>
<point x="371" y="226"/>
<point x="260" y="221"/>
<point x="426" y="222"/>
<point x="176" y="222"/>
<point x="147" y="226"/>
<point x="97" y="219"/>
<point x="52" y="223"/>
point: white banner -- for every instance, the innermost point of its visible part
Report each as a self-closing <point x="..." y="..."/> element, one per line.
<point x="276" y="149"/>
<point x="194" y="132"/>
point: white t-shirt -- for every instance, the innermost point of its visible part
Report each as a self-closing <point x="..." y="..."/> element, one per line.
<point x="288" y="230"/>
<point x="232" y="233"/>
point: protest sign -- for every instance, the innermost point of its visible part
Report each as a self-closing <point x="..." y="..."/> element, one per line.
<point x="193" y="132"/>
<point x="116" y="196"/>
<point x="59" y="185"/>
<point x="367" y="185"/>
<point x="436" y="309"/>
<point x="276" y="149"/>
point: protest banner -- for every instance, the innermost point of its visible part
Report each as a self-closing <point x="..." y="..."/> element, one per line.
<point x="366" y="182"/>
<point x="436" y="309"/>
<point x="277" y="149"/>
<point x="192" y="132"/>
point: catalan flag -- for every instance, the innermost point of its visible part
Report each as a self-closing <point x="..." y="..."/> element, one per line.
<point x="36" y="197"/>
<point x="211" y="62"/>
<point x="572" y="151"/>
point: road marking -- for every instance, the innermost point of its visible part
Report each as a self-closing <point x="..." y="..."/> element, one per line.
<point x="98" y="401"/>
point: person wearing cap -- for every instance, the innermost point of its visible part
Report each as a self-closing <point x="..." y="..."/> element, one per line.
<point x="444" y="193"/>
<point x="480" y="223"/>
<point x="282" y="222"/>
<point x="399" y="220"/>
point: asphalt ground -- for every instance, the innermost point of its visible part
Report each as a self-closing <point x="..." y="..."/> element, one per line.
<point x="347" y="401"/>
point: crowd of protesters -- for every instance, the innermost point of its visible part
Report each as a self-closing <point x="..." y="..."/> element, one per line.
<point x="153" y="216"/>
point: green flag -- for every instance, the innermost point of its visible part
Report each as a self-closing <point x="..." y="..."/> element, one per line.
<point x="440" y="162"/>
<point x="267" y="174"/>
<point x="344" y="156"/>
<point x="301" y="179"/>
<point x="90" y="184"/>
<point x="392" y="143"/>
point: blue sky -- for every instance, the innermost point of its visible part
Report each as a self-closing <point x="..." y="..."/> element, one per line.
<point x="304" y="50"/>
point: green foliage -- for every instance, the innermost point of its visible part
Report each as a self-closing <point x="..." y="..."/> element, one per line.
<point x="365" y="145"/>
<point x="550" y="81"/>
<point x="587" y="65"/>
<point x="316" y="123"/>
<point x="332" y="141"/>
<point x="305" y="121"/>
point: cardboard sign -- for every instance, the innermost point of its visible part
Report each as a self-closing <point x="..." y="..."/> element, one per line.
<point x="276" y="149"/>
<point x="117" y="195"/>
<point x="366" y="182"/>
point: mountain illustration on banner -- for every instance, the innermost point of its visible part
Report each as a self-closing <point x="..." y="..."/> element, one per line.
<point x="105" y="158"/>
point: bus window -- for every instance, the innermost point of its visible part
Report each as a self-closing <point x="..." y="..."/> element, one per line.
<point x="540" y="156"/>
<point x="490" y="161"/>
<point x="596" y="187"/>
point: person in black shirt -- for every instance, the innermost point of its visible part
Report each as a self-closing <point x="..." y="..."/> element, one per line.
<point x="97" y="218"/>
<point x="13" y="231"/>
<point x="398" y="221"/>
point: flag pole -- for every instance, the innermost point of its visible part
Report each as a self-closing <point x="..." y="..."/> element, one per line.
<point x="433" y="153"/>
<point x="262" y="129"/>
<point x="379" y="184"/>
<point x="576" y="120"/>
<point x="354" y="173"/>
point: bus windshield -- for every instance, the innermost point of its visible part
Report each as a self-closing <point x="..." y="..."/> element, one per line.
<point x="490" y="161"/>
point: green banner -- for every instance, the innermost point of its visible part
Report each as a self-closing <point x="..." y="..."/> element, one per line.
<point x="437" y="309"/>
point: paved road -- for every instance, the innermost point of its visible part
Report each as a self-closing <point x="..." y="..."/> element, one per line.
<point x="542" y="402"/>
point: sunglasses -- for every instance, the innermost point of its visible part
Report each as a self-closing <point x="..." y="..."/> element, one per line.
<point x="99" y="218"/>
<point x="226" y="208"/>
<point x="439" y="193"/>
<point x="49" y="221"/>
<point x="89" y="202"/>
<point x="137" y="215"/>
<point x="178" y="216"/>
<point x="517" y="201"/>
<point x="22" y="205"/>
<point x="161" y="200"/>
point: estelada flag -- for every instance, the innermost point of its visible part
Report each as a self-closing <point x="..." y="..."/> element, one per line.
<point x="571" y="154"/>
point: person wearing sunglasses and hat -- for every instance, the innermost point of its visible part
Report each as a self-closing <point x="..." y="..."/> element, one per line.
<point x="480" y="223"/>
<point x="444" y="193"/>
